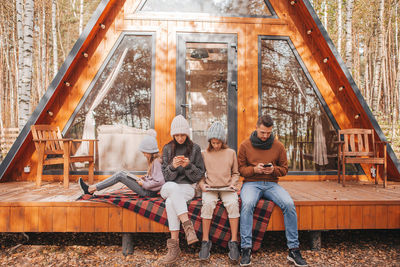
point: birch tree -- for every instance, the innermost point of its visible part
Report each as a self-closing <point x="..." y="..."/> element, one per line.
<point x="339" y="26"/>
<point x="54" y="34"/>
<point x="26" y="78"/>
<point x="19" y="8"/>
<point x="348" y="47"/>
<point x="80" y="17"/>
<point x="378" y="63"/>
<point x="325" y="13"/>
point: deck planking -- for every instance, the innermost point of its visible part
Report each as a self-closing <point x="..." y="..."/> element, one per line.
<point x="321" y="205"/>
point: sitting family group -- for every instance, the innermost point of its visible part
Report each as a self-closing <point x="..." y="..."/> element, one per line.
<point x="261" y="161"/>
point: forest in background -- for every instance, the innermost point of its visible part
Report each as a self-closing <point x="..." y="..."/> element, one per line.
<point x="36" y="36"/>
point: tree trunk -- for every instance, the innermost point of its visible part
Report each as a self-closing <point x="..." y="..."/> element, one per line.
<point x="366" y="73"/>
<point x="349" y="16"/>
<point x="26" y="79"/>
<point x="81" y="17"/>
<point x="44" y="52"/>
<point x="54" y="33"/>
<point x="339" y="26"/>
<point x="378" y="65"/>
<point x="59" y="36"/>
<point x="19" y="8"/>
<point x="396" y="87"/>
<point x="325" y="14"/>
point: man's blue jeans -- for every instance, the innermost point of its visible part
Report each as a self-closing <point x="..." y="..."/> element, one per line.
<point x="250" y="195"/>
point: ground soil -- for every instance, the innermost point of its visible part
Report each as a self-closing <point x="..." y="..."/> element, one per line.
<point x="339" y="248"/>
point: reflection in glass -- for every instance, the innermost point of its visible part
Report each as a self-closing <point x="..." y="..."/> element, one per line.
<point x="300" y="121"/>
<point x="242" y="8"/>
<point x="206" y="87"/>
<point x="118" y="105"/>
<point x="127" y="100"/>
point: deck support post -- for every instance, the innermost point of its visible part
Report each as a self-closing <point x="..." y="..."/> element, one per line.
<point x="127" y="244"/>
<point x="315" y="238"/>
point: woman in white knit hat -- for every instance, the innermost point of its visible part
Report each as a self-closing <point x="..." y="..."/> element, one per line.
<point x="183" y="167"/>
<point x="148" y="185"/>
<point x="221" y="181"/>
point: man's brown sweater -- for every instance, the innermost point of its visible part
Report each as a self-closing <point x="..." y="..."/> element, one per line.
<point x="249" y="157"/>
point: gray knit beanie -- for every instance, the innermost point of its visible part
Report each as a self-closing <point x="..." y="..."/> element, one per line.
<point x="180" y="125"/>
<point x="217" y="131"/>
<point x="149" y="143"/>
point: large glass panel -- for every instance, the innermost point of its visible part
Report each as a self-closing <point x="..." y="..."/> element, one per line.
<point x="226" y="8"/>
<point x="206" y="87"/>
<point x="300" y="121"/>
<point x="117" y="111"/>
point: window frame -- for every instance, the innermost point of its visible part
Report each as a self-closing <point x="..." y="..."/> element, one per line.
<point x="180" y="99"/>
<point x="266" y="2"/>
<point x="103" y="66"/>
<point x="316" y="91"/>
<point x="94" y="81"/>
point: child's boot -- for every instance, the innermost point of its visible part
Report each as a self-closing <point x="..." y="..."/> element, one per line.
<point x="189" y="232"/>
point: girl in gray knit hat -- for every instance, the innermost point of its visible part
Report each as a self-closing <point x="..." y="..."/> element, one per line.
<point x="148" y="185"/>
<point x="221" y="182"/>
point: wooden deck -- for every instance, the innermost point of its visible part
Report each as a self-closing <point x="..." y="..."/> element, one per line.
<point x="321" y="205"/>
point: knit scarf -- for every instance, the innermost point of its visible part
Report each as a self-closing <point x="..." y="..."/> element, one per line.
<point x="258" y="143"/>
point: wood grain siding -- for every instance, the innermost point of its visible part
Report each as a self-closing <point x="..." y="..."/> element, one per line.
<point x="87" y="219"/>
<point x="46" y="219"/>
<point x="4" y="219"/>
<point x="105" y="218"/>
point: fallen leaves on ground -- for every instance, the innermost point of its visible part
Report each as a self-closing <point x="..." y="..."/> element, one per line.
<point x="339" y="248"/>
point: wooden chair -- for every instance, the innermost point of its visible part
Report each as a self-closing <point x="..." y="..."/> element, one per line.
<point x="359" y="146"/>
<point x="49" y="141"/>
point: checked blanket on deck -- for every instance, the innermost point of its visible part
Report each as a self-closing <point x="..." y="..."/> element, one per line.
<point x="154" y="209"/>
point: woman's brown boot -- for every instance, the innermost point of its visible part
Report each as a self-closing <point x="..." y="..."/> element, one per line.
<point x="189" y="232"/>
<point x="173" y="252"/>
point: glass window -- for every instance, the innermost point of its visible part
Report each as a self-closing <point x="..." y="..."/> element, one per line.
<point x="117" y="109"/>
<point x="206" y="87"/>
<point x="226" y="8"/>
<point x="301" y="123"/>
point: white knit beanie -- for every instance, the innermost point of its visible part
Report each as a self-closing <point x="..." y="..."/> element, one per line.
<point x="180" y="125"/>
<point x="217" y="131"/>
<point x="149" y="142"/>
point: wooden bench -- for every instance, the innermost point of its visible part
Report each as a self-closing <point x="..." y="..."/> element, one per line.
<point x="7" y="138"/>
<point x="359" y="146"/>
<point x="49" y="141"/>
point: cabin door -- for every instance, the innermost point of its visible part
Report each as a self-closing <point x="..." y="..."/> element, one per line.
<point x="206" y="81"/>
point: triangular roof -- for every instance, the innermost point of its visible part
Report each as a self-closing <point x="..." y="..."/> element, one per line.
<point x="300" y="11"/>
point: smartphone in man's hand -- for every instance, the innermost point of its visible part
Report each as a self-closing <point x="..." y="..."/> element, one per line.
<point x="268" y="165"/>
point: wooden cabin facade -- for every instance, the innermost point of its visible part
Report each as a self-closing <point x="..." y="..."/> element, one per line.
<point x="139" y="63"/>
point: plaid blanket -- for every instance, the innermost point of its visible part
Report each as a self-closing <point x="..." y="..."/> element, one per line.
<point x="154" y="209"/>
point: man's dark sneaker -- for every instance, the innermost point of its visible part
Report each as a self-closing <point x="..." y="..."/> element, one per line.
<point x="233" y="250"/>
<point x="295" y="257"/>
<point x="204" y="253"/>
<point x="84" y="187"/>
<point x="246" y="257"/>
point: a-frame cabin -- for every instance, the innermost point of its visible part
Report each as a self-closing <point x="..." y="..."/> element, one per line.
<point x="138" y="63"/>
